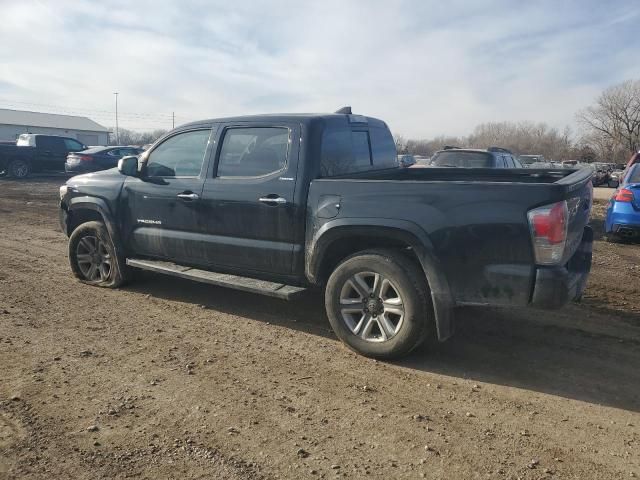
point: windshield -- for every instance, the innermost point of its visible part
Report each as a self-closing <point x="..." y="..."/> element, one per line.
<point x="462" y="159"/>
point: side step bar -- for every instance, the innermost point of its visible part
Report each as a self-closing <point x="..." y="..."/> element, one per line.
<point x="272" y="289"/>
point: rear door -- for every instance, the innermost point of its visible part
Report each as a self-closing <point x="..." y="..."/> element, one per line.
<point x="51" y="152"/>
<point x="164" y="214"/>
<point x="252" y="222"/>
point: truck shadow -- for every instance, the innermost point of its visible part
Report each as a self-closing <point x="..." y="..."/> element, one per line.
<point x="555" y="353"/>
<point x="547" y="352"/>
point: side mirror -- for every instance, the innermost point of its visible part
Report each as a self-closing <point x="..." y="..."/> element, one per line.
<point x="128" y="166"/>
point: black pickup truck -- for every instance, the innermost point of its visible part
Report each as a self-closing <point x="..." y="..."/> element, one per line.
<point x="36" y="152"/>
<point x="275" y="204"/>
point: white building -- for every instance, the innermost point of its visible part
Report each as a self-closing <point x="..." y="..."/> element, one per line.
<point x="15" y="122"/>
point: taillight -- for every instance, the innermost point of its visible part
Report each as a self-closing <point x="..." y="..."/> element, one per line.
<point x="548" y="226"/>
<point x="623" y="195"/>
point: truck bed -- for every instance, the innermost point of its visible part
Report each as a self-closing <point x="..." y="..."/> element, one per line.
<point x="475" y="175"/>
<point x="474" y="219"/>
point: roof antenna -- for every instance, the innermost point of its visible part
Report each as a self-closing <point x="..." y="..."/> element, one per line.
<point x="345" y="110"/>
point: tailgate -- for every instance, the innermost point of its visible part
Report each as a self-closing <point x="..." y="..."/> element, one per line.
<point x="579" y="202"/>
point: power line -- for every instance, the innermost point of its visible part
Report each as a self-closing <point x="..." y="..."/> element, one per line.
<point x="94" y="112"/>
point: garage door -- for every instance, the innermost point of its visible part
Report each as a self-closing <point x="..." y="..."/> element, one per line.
<point x="88" y="139"/>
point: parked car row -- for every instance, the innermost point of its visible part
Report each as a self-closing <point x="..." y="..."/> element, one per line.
<point x="37" y="152"/>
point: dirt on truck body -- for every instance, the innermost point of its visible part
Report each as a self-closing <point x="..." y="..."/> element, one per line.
<point x="169" y="378"/>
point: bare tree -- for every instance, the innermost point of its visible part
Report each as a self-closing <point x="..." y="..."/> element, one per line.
<point x="524" y="138"/>
<point x="131" y="137"/>
<point x="613" y="122"/>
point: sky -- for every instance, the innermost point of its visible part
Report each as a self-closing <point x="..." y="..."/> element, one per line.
<point x="427" y="68"/>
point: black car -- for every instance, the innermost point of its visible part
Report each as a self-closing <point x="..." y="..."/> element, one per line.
<point x="492" y="157"/>
<point x="98" y="158"/>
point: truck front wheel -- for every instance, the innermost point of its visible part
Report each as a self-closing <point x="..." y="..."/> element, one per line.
<point x="93" y="257"/>
<point x="378" y="304"/>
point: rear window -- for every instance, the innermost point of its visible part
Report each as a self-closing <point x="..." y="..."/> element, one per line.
<point x="461" y="159"/>
<point x="346" y="151"/>
<point x="336" y="157"/>
<point x="361" y="150"/>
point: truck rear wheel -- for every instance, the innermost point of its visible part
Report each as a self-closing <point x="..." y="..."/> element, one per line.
<point x="378" y="304"/>
<point x="93" y="257"/>
<point x="19" y="168"/>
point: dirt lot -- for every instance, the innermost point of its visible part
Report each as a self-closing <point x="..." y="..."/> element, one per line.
<point x="173" y="379"/>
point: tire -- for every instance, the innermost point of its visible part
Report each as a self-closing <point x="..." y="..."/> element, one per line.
<point x="376" y="328"/>
<point x="93" y="257"/>
<point x="18" y="168"/>
<point x="612" y="237"/>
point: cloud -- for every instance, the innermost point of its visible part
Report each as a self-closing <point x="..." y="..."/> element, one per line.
<point x="427" y="68"/>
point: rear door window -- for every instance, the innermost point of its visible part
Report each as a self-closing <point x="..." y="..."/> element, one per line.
<point x="73" y="145"/>
<point x="53" y="144"/>
<point x="253" y="151"/>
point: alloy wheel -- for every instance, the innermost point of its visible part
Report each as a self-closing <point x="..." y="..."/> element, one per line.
<point x="371" y="306"/>
<point x="93" y="259"/>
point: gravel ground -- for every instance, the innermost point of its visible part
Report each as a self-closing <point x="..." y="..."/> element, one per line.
<point x="172" y="379"/>
<point x="603" y="193"/>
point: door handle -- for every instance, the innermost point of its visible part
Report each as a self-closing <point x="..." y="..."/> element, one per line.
<point x="188" y="196"/>
<point x="270" y="199"/>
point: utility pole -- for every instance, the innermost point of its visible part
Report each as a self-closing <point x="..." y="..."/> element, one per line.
<point x="117" y="132"/>
<point x="173" y="120"/>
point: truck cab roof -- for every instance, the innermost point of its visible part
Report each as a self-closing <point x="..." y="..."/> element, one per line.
<point x="304" y="118"/>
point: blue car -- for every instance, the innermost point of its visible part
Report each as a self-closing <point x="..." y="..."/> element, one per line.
<point x="623" y="212"/>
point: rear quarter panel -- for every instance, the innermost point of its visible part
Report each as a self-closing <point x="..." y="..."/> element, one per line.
<point x="478" y="231"/>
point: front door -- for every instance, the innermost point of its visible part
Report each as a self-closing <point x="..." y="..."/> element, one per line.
<point x="253" y="222"/>
<point x="163" y="206"/>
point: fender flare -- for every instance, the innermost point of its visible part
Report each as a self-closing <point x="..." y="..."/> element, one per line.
<point x="97" y="205"/>
<point x="406" y="231"/>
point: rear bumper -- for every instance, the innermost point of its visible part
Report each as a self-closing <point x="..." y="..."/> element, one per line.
<point x="556" y="286"/>
<point x="622" y="217"/>
<point x="626" y="230"/>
